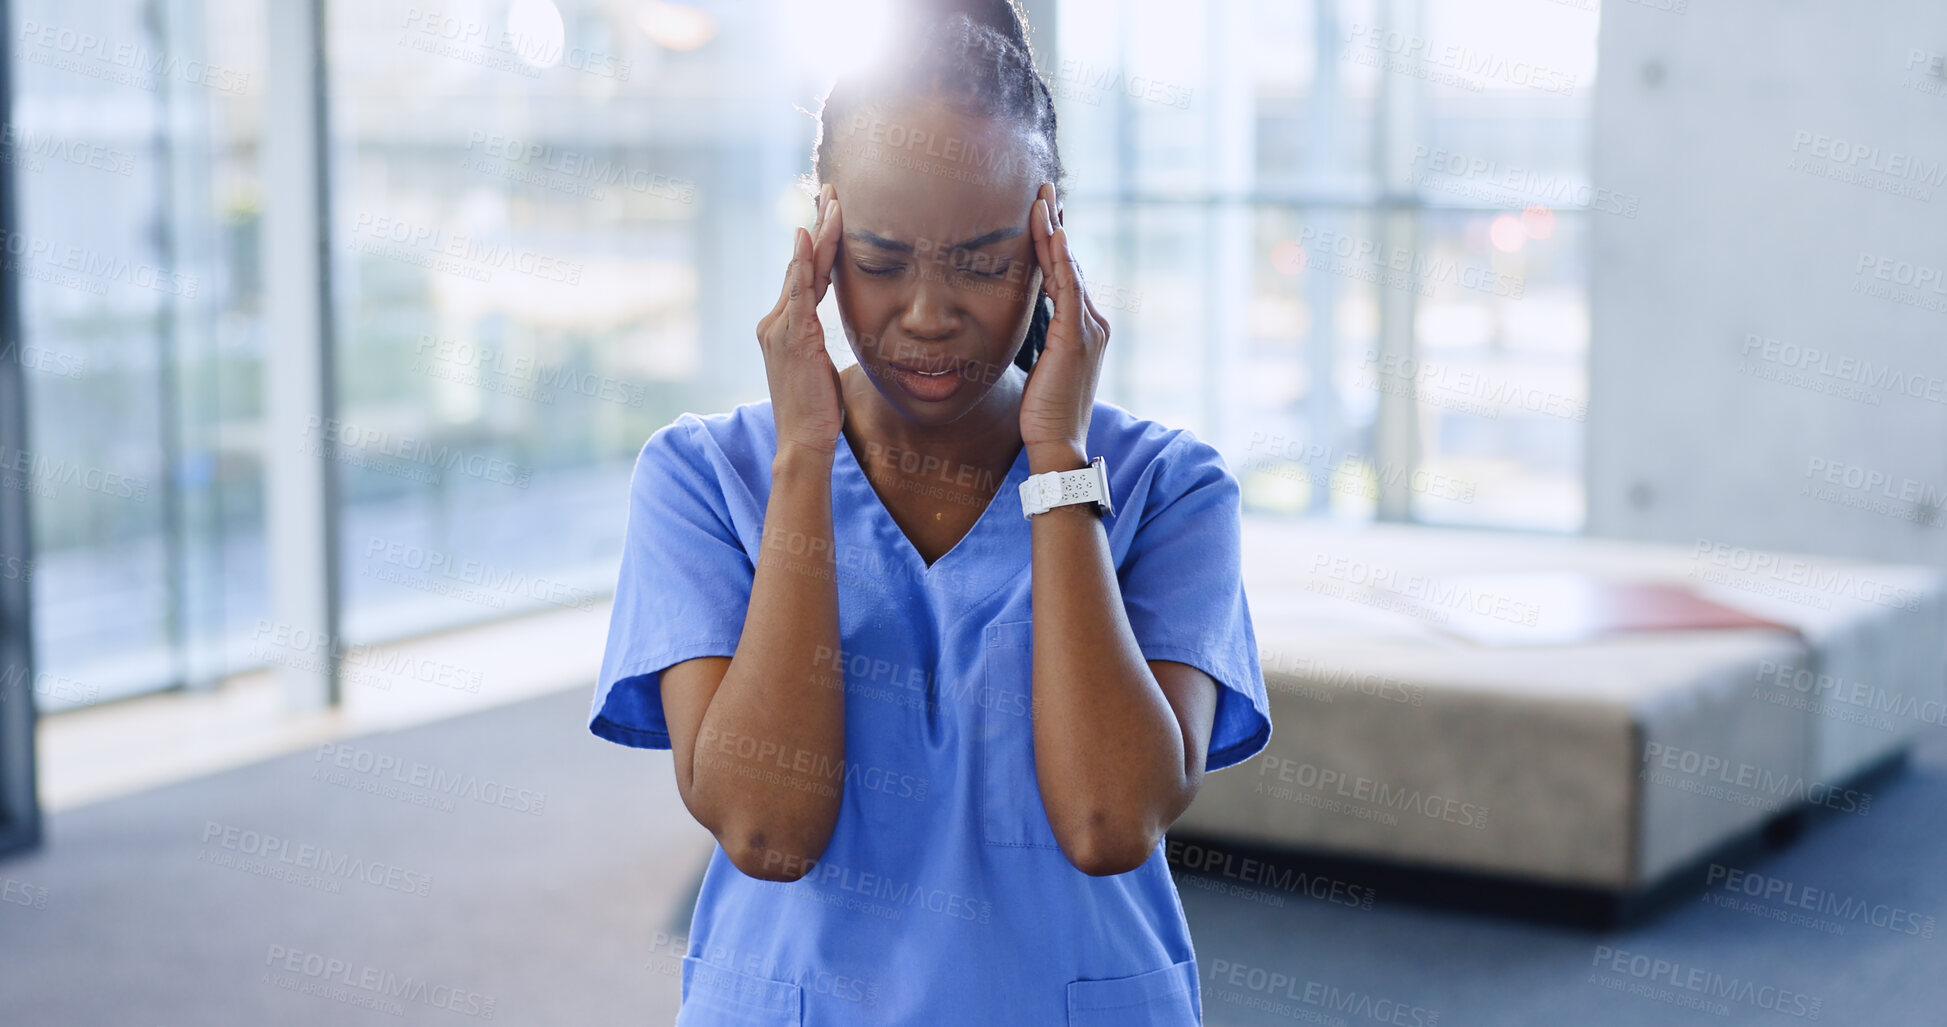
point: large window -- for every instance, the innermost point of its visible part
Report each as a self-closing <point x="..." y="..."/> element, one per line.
<point x="1346" y="242"/>
<point x="555" y="225"/>
<point x="132" y="138"/>
<point x="1343" y="241"/>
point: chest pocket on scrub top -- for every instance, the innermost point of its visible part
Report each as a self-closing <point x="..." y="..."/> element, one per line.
<point x="1011" y="812"/>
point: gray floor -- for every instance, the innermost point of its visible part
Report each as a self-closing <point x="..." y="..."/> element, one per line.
<point x="135" y="912"/>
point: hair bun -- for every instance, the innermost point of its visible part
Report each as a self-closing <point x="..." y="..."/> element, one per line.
<point x="1003" y="16"/>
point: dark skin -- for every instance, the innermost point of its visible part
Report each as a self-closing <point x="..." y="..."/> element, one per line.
<point x="936" y="272"/>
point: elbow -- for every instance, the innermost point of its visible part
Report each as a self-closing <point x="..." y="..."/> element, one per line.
<point x="1106" y="848"/>
<point x="768" y="856"/>
<point x="1113" y="843"/>
<point x="764" y="844"/>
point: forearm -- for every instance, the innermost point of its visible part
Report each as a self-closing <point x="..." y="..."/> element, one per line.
<point x="767" y="772"/>
<point x="1108" y="748"/>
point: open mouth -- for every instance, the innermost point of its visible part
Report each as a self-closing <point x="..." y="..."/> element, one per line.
<point x="931" y="381"/>
<point x="930" y="369"/>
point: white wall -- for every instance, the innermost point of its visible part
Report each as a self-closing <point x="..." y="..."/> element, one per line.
<point x="1701" y="114"/>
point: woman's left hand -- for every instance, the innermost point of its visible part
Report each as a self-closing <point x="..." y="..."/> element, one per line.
<point x="1060" y="394"/>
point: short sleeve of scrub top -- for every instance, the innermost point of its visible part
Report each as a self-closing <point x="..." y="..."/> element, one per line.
<point x="1184" y="595"/>
<point x="942" y="896"/>
<point x="683" y="589"/>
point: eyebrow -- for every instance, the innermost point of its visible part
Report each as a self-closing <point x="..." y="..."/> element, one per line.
<point x="974" y="243"/>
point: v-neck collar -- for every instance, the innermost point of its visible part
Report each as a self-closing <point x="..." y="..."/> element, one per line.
<point x="1010" y="486"/>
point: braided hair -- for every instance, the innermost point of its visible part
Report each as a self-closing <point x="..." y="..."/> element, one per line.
<point x="973" y="56"/>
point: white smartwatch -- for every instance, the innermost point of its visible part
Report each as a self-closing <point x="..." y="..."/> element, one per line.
<point x="1043" y="492"/>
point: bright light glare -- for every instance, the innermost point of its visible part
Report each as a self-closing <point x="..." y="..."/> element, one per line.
<point x="538" y="33"/>
<point x="836" y="38"/>
<point x="677" y="26"/>
<point x="1507" y="234"/>
<point x="1538" y="221"/>
<point x="1288" y="257"/>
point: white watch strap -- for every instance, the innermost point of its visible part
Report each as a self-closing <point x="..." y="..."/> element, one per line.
<point x="1043" y="492"/>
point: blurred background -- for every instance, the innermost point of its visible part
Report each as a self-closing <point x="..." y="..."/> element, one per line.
<point x="1254" y="154"/>
<point x="337" y="327"/>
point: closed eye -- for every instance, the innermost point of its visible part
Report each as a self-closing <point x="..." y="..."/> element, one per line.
<point x="976" y="269"/>
<point x="877" y="270"/>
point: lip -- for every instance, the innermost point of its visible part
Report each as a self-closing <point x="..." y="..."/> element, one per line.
<point x="928" y="367"/>
<point x="929" y="381"/>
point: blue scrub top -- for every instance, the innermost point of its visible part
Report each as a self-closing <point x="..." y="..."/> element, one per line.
<point x="942" y="897"/>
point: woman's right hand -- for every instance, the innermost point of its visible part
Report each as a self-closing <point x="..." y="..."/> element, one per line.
<point x="806" y="402"/>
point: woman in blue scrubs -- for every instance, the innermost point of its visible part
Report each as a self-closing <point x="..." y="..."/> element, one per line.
<point x="937" y="741"/>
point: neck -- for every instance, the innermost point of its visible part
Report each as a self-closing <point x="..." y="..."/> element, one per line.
<point x="986" y="437"/>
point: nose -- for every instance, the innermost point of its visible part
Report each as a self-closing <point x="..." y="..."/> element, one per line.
<point x="932" y="311"/>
